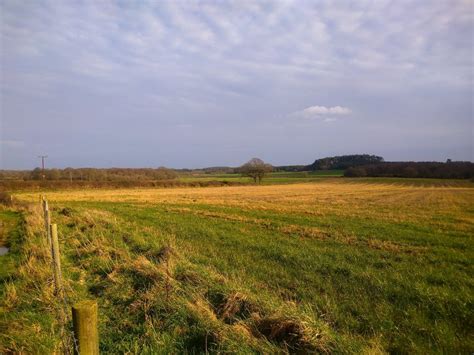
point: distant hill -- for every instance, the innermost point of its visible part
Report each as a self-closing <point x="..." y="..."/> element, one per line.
<point x="344" y="161"/>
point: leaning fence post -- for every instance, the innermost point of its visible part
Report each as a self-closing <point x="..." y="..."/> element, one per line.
<point x="84" y="319"/>
<point x="56" y="258"/>
<point x="47" y="221"/>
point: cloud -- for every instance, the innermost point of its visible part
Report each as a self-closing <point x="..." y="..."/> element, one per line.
<point x="323" y="110"/>
<point x="223" y="64"/>
<point x="277" y="41"/>
<point x="327" y="114"/>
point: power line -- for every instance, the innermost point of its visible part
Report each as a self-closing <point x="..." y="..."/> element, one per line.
<point x="43" y="157"/>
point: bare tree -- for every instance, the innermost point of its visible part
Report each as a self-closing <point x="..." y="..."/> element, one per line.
<point x="256" y="169"/>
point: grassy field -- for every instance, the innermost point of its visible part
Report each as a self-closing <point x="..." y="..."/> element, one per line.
<point x="338" y="265"/>
<point x="272" y="178"/>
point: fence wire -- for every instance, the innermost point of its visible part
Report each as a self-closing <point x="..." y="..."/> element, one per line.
<point x="65" y="304"/>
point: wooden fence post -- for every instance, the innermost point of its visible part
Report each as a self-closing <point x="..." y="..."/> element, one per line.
<point x="56" y="258"/>
<point x="47" y="221"/>
<point x="86" y="334"/>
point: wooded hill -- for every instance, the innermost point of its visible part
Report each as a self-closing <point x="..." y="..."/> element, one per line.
<point x="343" y="162"/>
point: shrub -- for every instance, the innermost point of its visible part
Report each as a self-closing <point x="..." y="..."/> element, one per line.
<point x="5" y="198"/>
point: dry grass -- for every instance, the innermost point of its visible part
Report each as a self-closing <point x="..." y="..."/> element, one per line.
<point x="324" y="267"/>
<point x="293" y="197"/>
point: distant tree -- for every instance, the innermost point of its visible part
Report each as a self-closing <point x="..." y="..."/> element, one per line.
<point x="256" y="169"/>
<point x="409" y="172"/>
<point x="52" y="174"/>
<point x="163" y="173"/>
<point x="36" y="174"/>
<point x="68" y="174"/>
<point x="355" y="172"/>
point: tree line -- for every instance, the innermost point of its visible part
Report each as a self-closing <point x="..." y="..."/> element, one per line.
<point x="358" y="165"/>
<point x="343" y="162"/>
<point x="91" y="174"/>
<point x="448" y="170"/>
<point x="340" y="162"/>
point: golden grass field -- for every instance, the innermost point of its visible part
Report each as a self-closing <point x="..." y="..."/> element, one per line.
<point x="334" y="266"/>
<point x="394" y="202"/>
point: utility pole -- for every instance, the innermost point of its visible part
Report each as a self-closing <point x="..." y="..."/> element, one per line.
<point x="43" y="157"/>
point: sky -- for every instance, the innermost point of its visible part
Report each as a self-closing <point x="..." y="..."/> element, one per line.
<point x="215" y="83"/>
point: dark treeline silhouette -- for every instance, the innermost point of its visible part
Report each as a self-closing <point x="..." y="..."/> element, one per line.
<point x="448" y="170"/>
<point x="90" y="174"/>
<point x="291" y="168"/>
<point x="14" y="185"/>
<point x="344" y="161"/>
<point x="340" y="162"/>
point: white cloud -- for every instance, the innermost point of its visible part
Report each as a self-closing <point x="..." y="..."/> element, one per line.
<point x="367" y="45"/>
<point x="216" y="63"/>
<point x="327" y="114"/>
